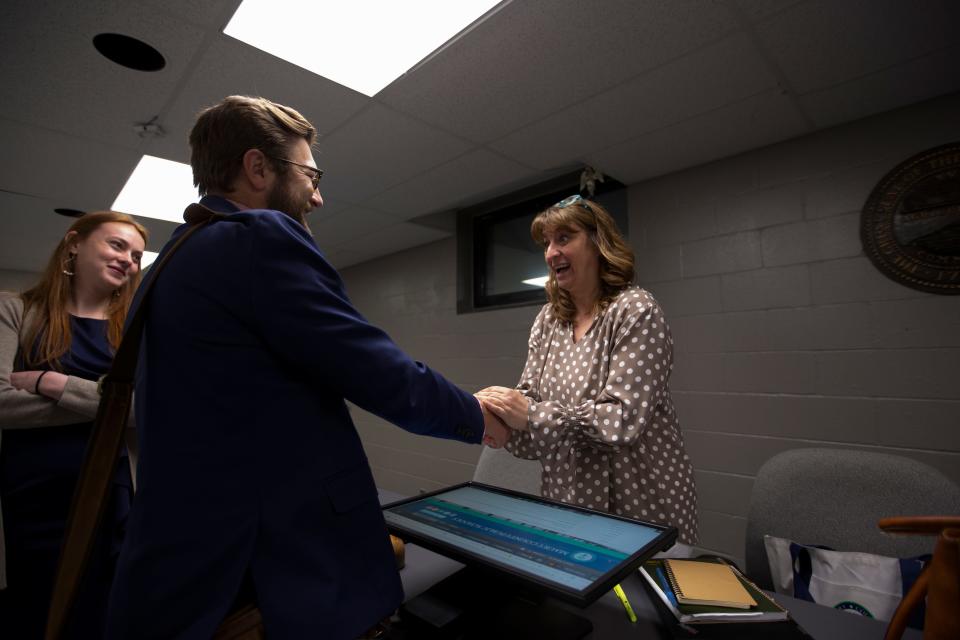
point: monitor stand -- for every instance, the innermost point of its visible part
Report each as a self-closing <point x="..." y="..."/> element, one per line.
<point x="472" y="604"/>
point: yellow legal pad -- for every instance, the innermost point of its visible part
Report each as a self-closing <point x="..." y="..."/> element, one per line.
<point x="707" y="583"/>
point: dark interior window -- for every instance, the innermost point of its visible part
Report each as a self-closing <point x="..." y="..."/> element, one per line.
<point x="495" y="253"/>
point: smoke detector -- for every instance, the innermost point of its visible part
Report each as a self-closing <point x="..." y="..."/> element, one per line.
<point x="150" y="129"/>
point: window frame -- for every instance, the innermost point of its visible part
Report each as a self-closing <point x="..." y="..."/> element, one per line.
<point x="471" y="252"/>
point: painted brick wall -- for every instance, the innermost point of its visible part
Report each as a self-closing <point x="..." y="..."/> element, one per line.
<point x="412" y="295"/>
<point x="786" y="335"/>
<point x="17" y="280"/>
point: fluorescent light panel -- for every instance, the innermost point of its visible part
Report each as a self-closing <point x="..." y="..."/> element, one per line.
<point x="362" y="44"/>
<point x="537" y="282"/>
<point x="157" y="188"/>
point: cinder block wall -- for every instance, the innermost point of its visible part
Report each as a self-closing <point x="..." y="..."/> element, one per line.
<point x="413" y="296"/>
<point x="17" y="281"/>
<point x="786" y="336"/>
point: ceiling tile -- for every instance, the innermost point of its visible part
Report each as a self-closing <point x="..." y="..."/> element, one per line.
<point x="74" y="173"/>
<point x="894" y="87"/>
<point x="230" y="67"/>
<point x="764" y="8"/>
<point x="330" y="206"/>
<point x="455" y="183"/>
<point x="756" y="121"/>
<point x="31" y="231"/>
<point x="547" y="55"/>
<point x="342" y="258"/>
<point x="391" y="239"/>
<point x="63" y="83"/>
<point x="823" y="43"/>
<point x="379" y="148"/>
<point x="636" y="87"/>
<point x="209" y="13"/>
<point x="712" y="77"/>
<point x="350" y="223"/>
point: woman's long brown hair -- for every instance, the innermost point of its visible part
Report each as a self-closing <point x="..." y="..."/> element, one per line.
<point x="48" y="335"/>
<point x="616" y="256"/>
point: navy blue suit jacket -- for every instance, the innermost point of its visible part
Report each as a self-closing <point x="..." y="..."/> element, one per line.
<point x="249" y="460"/>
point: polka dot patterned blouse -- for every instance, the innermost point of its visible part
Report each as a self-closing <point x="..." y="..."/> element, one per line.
<point x="601" y="419"/>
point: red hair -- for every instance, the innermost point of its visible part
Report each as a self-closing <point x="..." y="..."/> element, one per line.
<point x="48" y="335"/>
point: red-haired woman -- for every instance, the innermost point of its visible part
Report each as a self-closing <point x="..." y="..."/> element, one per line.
<point x="56" y="340"/>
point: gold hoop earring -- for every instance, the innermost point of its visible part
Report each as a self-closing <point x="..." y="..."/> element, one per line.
<point x="69" y="264"/>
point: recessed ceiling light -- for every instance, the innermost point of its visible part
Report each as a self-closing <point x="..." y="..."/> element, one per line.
<point x="70" y="213"/>
<point x="129" y="52"/>
<point x="157" y="188"/>
<point x="362" y="44"/>
<point x="537" y="282"/>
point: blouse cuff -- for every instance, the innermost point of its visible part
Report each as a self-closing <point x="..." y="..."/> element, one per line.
<point x="555" y="424"/>
<point x="577" y="425"/>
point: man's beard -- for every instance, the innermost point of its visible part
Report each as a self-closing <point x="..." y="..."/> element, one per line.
<point x="294" y="206"/>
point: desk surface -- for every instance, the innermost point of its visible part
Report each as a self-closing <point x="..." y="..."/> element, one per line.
<point x="424" y="568"/>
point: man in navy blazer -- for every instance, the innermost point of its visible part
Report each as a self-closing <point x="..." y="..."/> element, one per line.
<point x="251" y="471"/>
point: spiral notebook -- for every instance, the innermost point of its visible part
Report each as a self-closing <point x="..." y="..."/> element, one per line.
<point x="707" y="583"/>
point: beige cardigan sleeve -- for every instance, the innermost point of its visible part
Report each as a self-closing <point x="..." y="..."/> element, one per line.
<point x="21" y="409"/>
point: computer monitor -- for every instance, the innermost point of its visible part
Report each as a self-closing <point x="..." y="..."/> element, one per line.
<point x="568" y="552"/>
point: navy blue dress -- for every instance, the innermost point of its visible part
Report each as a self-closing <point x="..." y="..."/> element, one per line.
<point x="38" y="471"/>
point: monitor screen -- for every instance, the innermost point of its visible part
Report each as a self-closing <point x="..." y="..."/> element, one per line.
<point x="572" y="553"/>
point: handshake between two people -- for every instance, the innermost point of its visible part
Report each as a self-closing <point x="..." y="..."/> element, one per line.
<point x="504" y="411"/>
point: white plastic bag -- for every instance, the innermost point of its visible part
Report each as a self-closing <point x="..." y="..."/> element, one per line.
<point x="862" y="583"/>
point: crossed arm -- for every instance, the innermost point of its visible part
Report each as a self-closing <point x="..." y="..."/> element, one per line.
<point x="50" y="385"/>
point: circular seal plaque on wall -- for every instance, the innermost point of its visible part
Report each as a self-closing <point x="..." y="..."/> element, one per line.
<point x="910" y="225"/>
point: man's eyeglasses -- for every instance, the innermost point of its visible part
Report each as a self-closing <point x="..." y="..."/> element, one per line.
<point x="315" y="174"/>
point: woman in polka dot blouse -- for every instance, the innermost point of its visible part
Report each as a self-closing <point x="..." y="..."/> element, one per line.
<point x="593" y="404"/>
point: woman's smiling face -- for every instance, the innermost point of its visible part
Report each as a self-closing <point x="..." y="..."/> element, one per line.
<point x="573" y="258"/>
<point x="108" y="256"/>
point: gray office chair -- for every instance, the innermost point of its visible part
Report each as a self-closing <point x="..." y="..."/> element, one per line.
<point x="501" y="469"/>
<point x="834" y="497"/>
